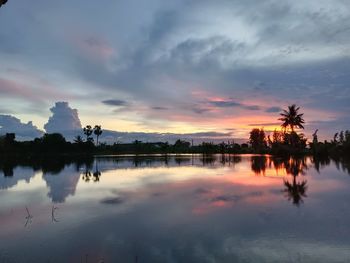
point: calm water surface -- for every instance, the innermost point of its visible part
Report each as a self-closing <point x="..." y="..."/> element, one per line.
<point x="175" y="209"/>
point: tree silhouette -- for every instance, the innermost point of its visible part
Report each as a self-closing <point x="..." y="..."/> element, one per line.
<point x="295" y="191"/>
<point x="257" y="139"/>
<point x="258" y="164"/>
<point x="10" y="138"/>
<point x="2" y="2"/>
<point x="97" y="131"/>
<point x="88" y="131"/>
<point x="292" y="118"/>
<point x="78" y="139"/>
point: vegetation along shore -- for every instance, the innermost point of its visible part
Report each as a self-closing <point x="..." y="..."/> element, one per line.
<point x="283" y="142"/>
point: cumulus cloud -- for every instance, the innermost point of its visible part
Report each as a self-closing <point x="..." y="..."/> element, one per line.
<point x="10" y="124"/>
<point x="64" y="119"/>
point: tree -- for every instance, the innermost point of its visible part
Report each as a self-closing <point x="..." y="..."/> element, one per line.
<point x="257" y="139"/>
<point x="182" y="144"/>
<point x="2" y="2"/>
<point x="97" y="131"/>
<point x="88" y="131"/>
<point x="78" y="139"/>
<point x="10" y="138"/>
<point x="295" y="191"/>
<point x="53" y="142"/>
<point x="292" y="118"/>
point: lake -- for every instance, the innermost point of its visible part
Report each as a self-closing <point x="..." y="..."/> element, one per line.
<point x="175" y="208"/>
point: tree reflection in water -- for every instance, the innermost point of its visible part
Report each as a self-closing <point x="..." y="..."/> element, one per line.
<point x="295" y="191"/>
<point x="88" y="175"/>
<point x="258" y="164"/>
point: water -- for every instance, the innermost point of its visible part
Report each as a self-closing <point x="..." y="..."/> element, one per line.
<point x="175" y="209"/>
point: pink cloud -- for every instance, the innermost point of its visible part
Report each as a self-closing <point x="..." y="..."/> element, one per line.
<point x="29" y="87"/>
<point x="92" y="47"/>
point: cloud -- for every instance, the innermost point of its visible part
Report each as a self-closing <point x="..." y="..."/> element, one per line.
<point x="10" y="124"/>
<point x="272" y="51"/>
<point x="273" y="109"/>
<point x="200" y="110"/>
<point x="159" y="108"/>
<point x="225" y="103"/>
<point x="114" y="102"/>
<point x="265" y="124"/>
<point x="232" y="103"/>
<point x="63" y="119"/>
<point x="112" y="201"/>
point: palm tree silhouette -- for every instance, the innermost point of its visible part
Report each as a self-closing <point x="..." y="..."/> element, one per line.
<point x="295" y="191"/>
<point x="87" y="131"/>
<point x="292" y="118"/>
<point x="78" y="139"/>
<point x="97" y="131"/>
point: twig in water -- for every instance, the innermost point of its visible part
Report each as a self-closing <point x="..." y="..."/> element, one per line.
<point x="53" y="214"/>
<point x="28" y="218"/>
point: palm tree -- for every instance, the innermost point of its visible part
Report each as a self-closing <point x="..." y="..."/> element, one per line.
<point x="292" y="118"/>
<point x="78" y="139"/>
<point x="295" y="191"/>
<point x="97" y="131"/>
<point x="88" y="131"/>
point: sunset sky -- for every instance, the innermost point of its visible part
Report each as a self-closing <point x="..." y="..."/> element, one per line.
<point x="177" y="66"/>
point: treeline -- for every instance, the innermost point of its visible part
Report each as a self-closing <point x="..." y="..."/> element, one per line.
<point x="339" y="145"/>
<point x="292" y="143"/>
<point x="48" y="143"/>
<point x="278" y="143"/>
<point x="56" y="143"/>
<point x="282" y="143"/>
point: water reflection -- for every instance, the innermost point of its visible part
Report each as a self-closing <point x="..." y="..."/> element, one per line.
<point x="62" y="174"/>
<point x="296" y="191"/>
<point x="28" y="218"/>
<point x="258" y="164"/>
<point x="88" y="175"/>
<point x="175" y="208"/>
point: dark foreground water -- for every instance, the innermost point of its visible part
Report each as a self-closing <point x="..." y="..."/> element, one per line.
<point x="175" y="209"/>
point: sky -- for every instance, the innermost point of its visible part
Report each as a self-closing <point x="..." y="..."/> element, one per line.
<point x="158" y="66"/>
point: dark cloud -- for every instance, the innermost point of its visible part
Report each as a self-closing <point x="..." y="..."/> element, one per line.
<point x="273" y="109"/>
<point x="200" y="110"/>
<point x="232" y="103"/>
<point x="235" y="198"/>
<point x="112" y="201"/>
<point x="224" y="104"/>
<point x="159" y="108"/>
<point x="114" y="102"/>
